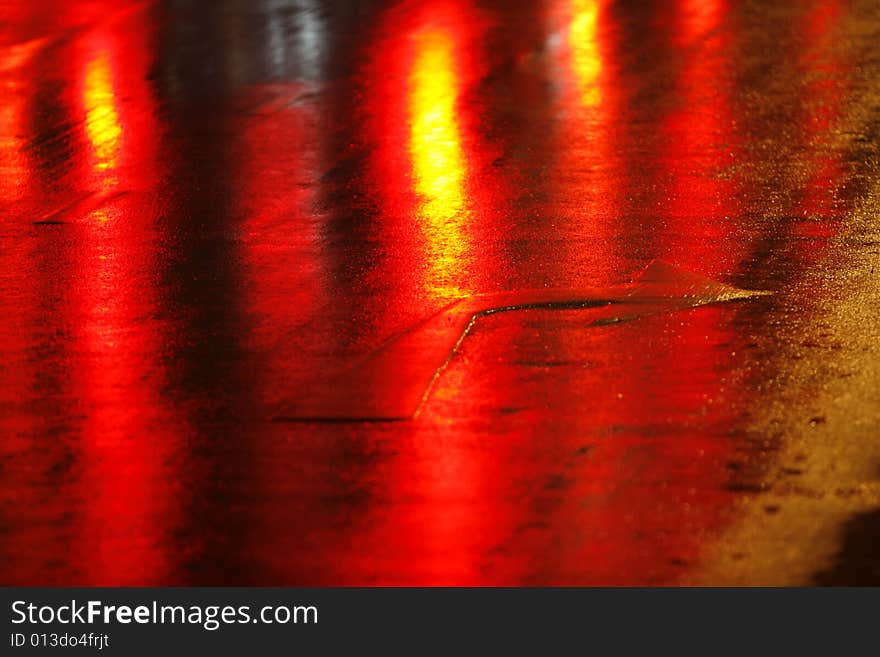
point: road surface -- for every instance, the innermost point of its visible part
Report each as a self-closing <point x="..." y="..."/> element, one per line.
<point x="251" y="254"/>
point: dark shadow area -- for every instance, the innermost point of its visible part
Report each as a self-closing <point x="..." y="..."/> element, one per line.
<point x="858" y="563"/>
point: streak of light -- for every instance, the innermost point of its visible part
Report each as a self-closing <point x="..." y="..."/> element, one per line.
<point x="102" y="116"/>
<point x="438" y="161"/>
<point x="585" y="55"/>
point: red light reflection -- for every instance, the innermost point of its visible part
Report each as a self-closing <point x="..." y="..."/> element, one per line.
<point x="586" y="180"/>
<point x="111" y="309"/>
<point x="430" y="158"/>
<point x="439" y="197"/>
<point x="552" y="451"/>
<point x="602" y="379"/>
<point x="820" y="206"/>
<point x="14" y="163"/>
<point x="703" y="203"/>
<point x="439" y="42"/>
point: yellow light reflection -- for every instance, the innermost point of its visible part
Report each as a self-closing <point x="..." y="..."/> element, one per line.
<point x="586" y="60"/>
<point x="102" y="118"/>
<point x="439" y="165"/>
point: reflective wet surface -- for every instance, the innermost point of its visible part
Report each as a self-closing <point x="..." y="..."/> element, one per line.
<point x="214" y="213"/>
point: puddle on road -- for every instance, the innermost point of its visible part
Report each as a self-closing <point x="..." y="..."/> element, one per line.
<point x="394" y="382"/>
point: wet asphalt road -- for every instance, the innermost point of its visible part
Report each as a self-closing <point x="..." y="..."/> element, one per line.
<point x="233" y="236"/>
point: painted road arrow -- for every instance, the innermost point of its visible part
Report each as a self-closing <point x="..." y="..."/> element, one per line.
<point x="394" y="382"/>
